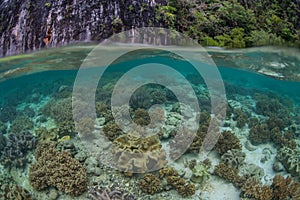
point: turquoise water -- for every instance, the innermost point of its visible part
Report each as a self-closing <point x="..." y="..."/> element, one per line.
<point x="42" y="100"/>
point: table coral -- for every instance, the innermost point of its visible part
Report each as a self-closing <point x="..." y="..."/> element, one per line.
<point x="138" y="155"/>
<point x="57" y="169"/>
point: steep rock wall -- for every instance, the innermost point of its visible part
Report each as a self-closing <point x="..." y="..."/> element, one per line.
<point x="33" y="24"/>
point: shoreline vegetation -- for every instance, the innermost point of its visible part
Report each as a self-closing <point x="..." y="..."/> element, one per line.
<point x="234" y="23"/>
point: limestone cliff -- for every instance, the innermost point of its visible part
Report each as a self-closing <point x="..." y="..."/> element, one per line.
<point x="27" y="25"/>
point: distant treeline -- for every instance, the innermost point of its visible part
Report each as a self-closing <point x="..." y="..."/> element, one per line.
<point x="234" y="23"/>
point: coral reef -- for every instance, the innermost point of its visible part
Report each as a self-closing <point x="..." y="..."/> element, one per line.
<point x="184" y="189"/>
<point x="141" y="98"/>
<point x="85" y="125"/>
<point x="141" y="117"/>
<point x="290" y="158"/>
<point x="14" y="192"/>
<point x="200" y="173"/>
<point x="150" y="184"/>
<point x="21" y="123"/>
<point x="285" y="188"/>
<point x="112" y="131"/>
<point x="283" y="140"/>
<point x="2" y="143"/>
<point x="8" y="113"/>
<point x="226" y="172"/>
<point x="3" y="128"/>
<point x="227" y="141"/>
<point x="46" y="135"/>
<point x="17" y="146"/>
<point x="281" y="189"/>
<point x="259" y="134"/>
<point x="111" y="193"/>
<point x="198" y="139"/>
<point x="57" y="169"/>
<point x="240" y="117"/>
<point x="252" y="170"/>
<point x="233" y="158"/>
<point x="253" y="190"/>
<point x="138" y="155"/>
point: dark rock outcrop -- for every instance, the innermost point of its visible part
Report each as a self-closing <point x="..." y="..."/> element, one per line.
<point x="27" y="25"/>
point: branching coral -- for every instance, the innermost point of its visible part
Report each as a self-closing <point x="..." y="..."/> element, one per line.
<point x="21" y="123"/>
<point x="253" y="190"/>
<point x="150" y="184"/>
<point x="259" y="134"/>
<point x="112" y="131"/>
<point x="141" y="117"/>
<point x="226" y="172"/>
<point x="285" y="188"/>
<point x="227" y="141"/>
<point x="138" y="155"/>
<point x="14" y="192"/>
<point x="8" y="113"/>
<point x="240" y="117"/>
<point x="184" y="189"/>
<point x="17" y="146"/>
<point x="57" y="169"/>
<point x="281" y="189"/>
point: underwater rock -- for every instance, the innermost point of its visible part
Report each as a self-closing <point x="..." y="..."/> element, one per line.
<point x="233" y="158"/>
<point x="58" y="170"/>
<point x="290" y="158"/>
<point x="138" y="155"/>
<point x="53" y="194"/>
<point x="278" y="167"/>
<point x="17" y="146"/>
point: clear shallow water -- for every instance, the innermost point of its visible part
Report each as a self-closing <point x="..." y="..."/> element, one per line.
<point x="38" y="81"/>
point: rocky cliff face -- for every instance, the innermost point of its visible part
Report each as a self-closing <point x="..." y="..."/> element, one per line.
<point x="33" y="24"/>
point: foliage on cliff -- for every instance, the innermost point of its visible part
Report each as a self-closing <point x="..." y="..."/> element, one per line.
<point x="234" y="23"/>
